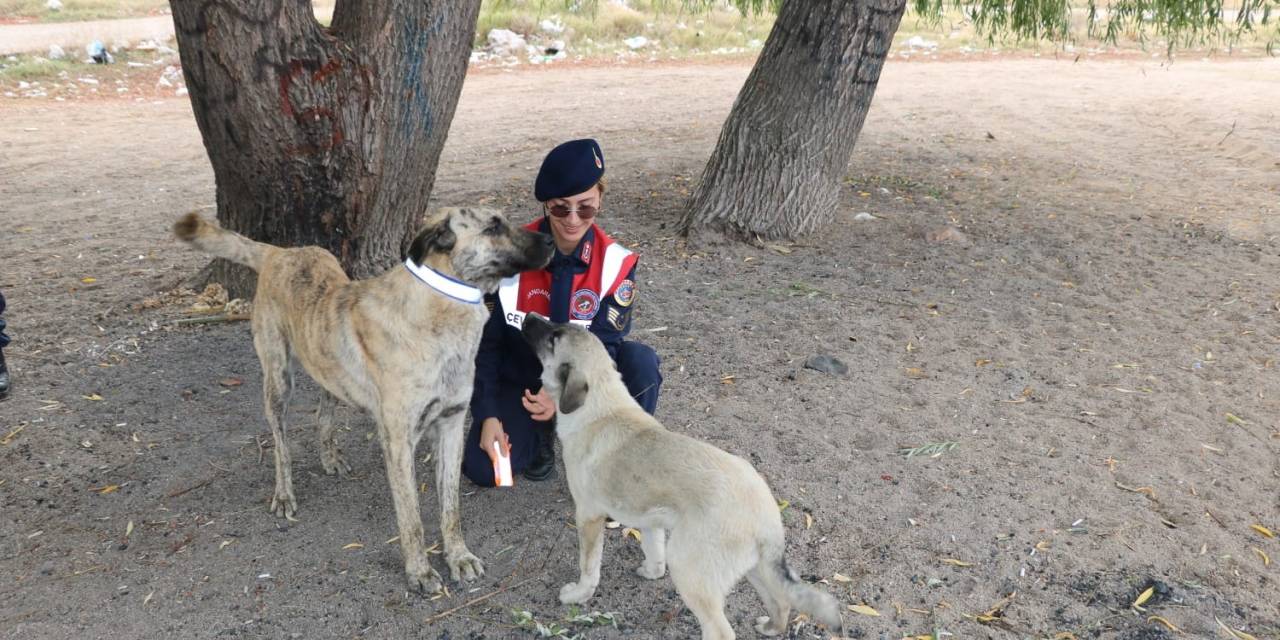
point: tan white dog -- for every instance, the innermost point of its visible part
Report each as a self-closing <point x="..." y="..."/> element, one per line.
<point x="723" y="521"/>
<point x="401" y="346"/>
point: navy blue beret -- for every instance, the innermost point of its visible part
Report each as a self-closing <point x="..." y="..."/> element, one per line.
<point x="569" y="169"/>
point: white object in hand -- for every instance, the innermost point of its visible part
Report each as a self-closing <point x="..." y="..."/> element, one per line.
<point x="501" y="467"/>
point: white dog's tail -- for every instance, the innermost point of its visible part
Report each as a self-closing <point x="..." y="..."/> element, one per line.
<point x="217" y="241"/>
<point x="820" y="605"/>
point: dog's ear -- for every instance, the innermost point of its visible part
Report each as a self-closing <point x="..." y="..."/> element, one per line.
<point x="573" y="388"/>
<point x="437" y="238"/>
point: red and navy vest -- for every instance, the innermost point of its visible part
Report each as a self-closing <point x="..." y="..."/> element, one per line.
<point x="530" y="292"/>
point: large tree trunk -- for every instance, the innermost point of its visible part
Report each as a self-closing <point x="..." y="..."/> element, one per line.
<point x="777" y="168"/>
<point x="320" y="136"/>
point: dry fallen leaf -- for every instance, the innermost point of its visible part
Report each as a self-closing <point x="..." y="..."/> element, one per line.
<point x="631" y="532"/>
<point x="148" y="598"/>
<point x="128" y="530"/>
<point x="916" y="373"/>
<point x="1240" y="635"/>
<point x="88" y="280"/>
<point x="1164" y="622"/>
<point x="1263" y="530"/>
<point x="782" y="505"/>
<point x="1145" y="596"/>
<point x="841" y="578"/>
<point x="224" y="544"/>
<point x="1266" y="559"/>
<point x="392" y="540"/>
<point x="353" y="545"/>
<point x="93" y="396"/>
<point x="863" y="609"/>
<point x="981" y="362"/>
<point x="729" y="379"/>
<point x="808" y="520"/>
<point x="111" y="488"/>
<point x="956" y="563"/>
<point x="1235" y="419"/>
<point x="231" y="382"/>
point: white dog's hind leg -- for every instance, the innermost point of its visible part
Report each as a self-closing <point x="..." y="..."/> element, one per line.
<point x="776" y="603"/>
<point x="654" y="543"/>
<point x="702" y="577"/>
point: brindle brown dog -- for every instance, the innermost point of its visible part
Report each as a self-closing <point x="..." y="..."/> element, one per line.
<point x="401" y="346"/>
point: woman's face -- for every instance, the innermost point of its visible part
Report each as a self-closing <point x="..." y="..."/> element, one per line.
<point x="568" y="231"/>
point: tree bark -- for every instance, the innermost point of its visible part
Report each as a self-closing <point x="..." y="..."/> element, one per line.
<point x="318" y="136"/>
<point x="778" y="165"/>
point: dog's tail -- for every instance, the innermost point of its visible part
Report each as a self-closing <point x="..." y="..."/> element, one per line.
<point x="820" y="605"/>
<point x="217" y="241"/>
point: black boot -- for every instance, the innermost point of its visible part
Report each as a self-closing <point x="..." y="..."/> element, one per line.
<point x="4" y="376"/>
<point x="543" y="466"/>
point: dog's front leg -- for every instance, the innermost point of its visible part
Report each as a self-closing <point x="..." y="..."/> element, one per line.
<point x="590" y="548"/>
<point x="397" y="450"/>
<point x="450" y="438"/>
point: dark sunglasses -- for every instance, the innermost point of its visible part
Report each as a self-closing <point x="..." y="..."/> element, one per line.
<point x="585" y="212"/>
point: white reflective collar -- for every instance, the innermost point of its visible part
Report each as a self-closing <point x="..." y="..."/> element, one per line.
<point x="456" y="289"/>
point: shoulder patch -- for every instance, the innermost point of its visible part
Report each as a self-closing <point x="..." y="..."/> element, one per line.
<point x="625" y="294"/>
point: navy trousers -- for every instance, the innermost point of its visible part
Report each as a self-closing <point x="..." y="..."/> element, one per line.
<point x="4" y="340"/>
<point x="639" y="366"/>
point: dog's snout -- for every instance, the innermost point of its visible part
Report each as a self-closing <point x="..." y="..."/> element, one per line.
<point x="534" y="328"/>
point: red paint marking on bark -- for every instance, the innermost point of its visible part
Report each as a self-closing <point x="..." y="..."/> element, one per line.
<point x="327" y="70"/>
<point x="286" y="80"/>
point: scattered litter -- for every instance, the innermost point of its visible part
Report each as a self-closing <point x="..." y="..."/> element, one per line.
<point x="933" y="449"/>
<point x="56" y="52"/>
<point x="864" y="216"/>
<point x="636" y="42"/>
<point x="826" y="364"/>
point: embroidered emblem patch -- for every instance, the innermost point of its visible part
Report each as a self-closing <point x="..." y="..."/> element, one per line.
<point x="585" y="304"/>
<point x="625" y="294"/>
<point x="585" y="255"/>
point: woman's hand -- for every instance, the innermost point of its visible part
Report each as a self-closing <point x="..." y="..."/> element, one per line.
<point x="540" y="406"/>
<point x="491" y="432"/>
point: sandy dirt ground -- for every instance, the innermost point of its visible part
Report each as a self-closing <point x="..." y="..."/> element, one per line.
<point x="1097" y="336"/>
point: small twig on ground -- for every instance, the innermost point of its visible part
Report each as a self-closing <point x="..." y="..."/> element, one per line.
<point x="478" y="599"/>
<point x="1229" y="132"/>
<point x="174" y="494"/>
<point x="222" y="317"/>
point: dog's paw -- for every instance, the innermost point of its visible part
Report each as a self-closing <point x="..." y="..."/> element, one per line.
<point x="767" y="627"/>
<point x="334" y="463"/>
<point x="284" y="505"/>
<point x="576" y="593"/>
<point x="464" y="565"/>
<point x="652" y="571"/>
<point x="424" y="581"/>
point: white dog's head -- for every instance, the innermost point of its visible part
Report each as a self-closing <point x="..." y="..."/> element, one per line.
<point x="572" y="360"/>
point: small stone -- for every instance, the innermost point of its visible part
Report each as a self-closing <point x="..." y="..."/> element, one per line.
<point x="826" y="364"/>
<point x="56" y="52"/>
<point x="946" y="235"/>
